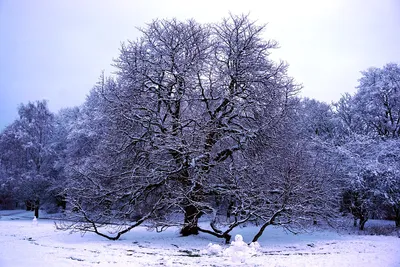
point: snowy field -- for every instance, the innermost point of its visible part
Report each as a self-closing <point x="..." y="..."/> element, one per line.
<point x="27" y="244"/>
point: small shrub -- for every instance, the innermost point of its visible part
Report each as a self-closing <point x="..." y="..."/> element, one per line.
<point x="387" y="230"/>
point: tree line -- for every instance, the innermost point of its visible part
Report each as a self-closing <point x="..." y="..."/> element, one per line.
<point x="198" y="122"/>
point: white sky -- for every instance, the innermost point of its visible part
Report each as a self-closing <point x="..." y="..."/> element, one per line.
<point x="56" y="50"/>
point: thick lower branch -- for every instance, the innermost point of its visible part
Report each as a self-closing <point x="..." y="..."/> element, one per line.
<point x="271" y="221"/>
<point x="224" y="235"/>
<point x="220" y="234"/>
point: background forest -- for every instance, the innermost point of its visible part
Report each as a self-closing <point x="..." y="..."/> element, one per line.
<point x="198" y="122"/>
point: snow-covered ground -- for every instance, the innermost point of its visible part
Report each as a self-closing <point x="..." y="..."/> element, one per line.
<point x="28" y="244"/>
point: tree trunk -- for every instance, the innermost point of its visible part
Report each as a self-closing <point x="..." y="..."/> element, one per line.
<point x="363" y="220"/>
<point x="37" y="209"/>
<point x="64" y="205"/>
<point x="192" y="215"/>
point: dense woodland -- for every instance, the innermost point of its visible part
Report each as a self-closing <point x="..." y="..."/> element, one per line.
<point x="199" y="123"/>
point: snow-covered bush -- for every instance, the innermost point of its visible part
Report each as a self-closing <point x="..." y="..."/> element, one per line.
<point x="237" y="252"/>
<point x="212" y="249"/>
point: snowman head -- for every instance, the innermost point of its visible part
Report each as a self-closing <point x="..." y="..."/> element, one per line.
<point x="239" y="238"/>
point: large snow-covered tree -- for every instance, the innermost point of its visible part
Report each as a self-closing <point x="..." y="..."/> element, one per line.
<point x="28" y="154"/>
<point x="377" y="101"/>
<point x="369" y="122"/>
<point x="34" y="130"/>
<point x="186" y="101"/>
